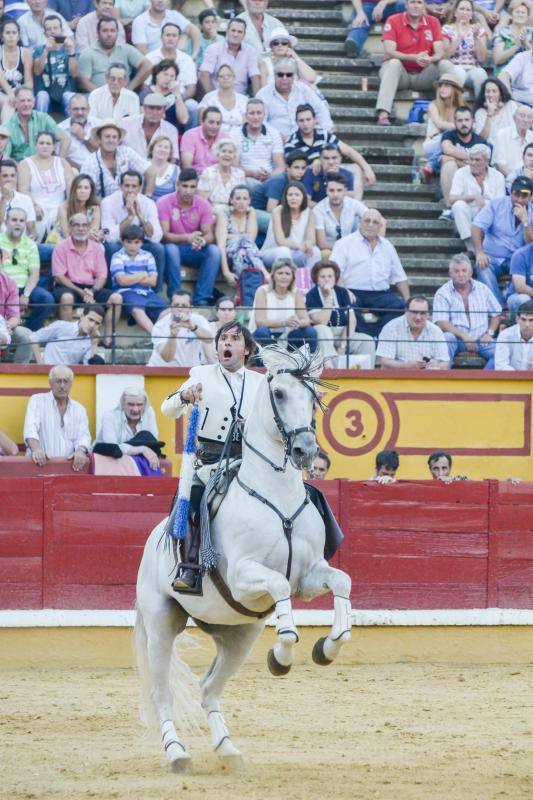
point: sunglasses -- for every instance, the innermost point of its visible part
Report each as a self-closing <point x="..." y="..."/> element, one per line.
<point x="285" y="74"/>
<point x="276" y="42"/>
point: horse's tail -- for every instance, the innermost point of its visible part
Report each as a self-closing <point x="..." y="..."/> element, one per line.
<point x="140" y="644"/>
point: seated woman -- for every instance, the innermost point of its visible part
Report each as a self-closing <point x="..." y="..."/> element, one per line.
<point x="161" y="176"/>
<point x="291" y="232"/>
<point x="165" y="82"/>
<point x="494" y="109"/>
<point x="329" y="307"/>
<point x="225" y="312"/>
<point x="217" y="181"/>
<point x="16" y="66"/>
<point x="525" y="170"/>
<point x="514" y="34"/>
<point x="282" y="45"/>
<point x="82" y="199"/>
<point x="465" y="45"/>
<point x="441" y="113"/>
<point x="232" y="104"/>
<point x="279" y="312"/>
<point x="235" y="233"/>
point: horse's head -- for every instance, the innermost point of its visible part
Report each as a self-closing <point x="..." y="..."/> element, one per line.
<point x="293" y="381"/>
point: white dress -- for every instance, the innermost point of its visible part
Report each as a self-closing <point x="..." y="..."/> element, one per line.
<point x="232" y="118"/>
<point x="278" y="308"/>
<point x="48" y="190"/>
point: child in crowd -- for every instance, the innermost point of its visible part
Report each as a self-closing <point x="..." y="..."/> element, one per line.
<point x="209" y="22"/>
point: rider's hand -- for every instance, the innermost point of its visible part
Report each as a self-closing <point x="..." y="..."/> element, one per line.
<point x="193" y="394"/>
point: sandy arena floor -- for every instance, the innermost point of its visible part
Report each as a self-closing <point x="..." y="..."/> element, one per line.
<point x="389" y="731"/>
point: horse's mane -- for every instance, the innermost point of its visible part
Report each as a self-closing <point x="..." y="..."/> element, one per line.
<point x="302" y="364"/>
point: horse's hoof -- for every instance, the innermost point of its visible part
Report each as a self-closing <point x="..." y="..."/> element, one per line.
<point x="318" y="654"/>
<point x="180" y="765"/>
<point x="275" y="667"/>
<point x="229" y="755"/>
<point x="179" y="759"/>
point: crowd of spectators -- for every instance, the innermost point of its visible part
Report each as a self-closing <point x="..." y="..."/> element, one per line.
<point x="136" y="143"/>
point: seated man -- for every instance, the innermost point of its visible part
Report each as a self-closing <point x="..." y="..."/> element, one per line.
<point x="188" y="78"/>
<point x="456" y="145"/>
<point x="510" y="141"/>
<point x="197" y="144"/>
<point x="113" y="100"/>
<point x="146" y="29"/>
<point x="56" y="426"/>
<point x="55" y="68"/>
<point x="78" y="126"/>
<point x="517" y="75"/>
<point x="364" y="15"/>
<point x="337" y="215"/>
<point x="70" y="342"/>
<point x="26" y="123"/>
<point x="11" y="198"/>
<point x="369" y="266"/>
<point x="10" y="313"/>
<point x="259" y="146"/>
<point x="387" y="465"/>
<point x="467" y="312"/>
<point x="472" y="187"/>
<point x="87" y="27"/>
<point x="144" y="129"/>
<point x="120" y="424"/>
<point x="188" y="225"/>
<point x="112" y="159"/>
<point x="500" y="228"/>
<point x="31" y="24"/>
<point x="267" y="195"/>
<point x="524" y="170"/>
<point x="259" y="24"/>
<point x="95" y="60"/>
<point x="234" y="51"/>
<point x="181" y="338"/>
<point x="315" y="178"/>
<point x="412" y="341"/>
<point x="521" y="271"/>
<point x="514" y="345"/>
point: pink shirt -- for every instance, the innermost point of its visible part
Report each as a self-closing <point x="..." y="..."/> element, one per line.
<point x="194" y="141"/>
<point x="184" y="220"/>
<point x="82" y="268"/>
<point x="9" y="297"/>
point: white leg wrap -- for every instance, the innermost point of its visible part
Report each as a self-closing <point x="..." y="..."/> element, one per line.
<point x="222" y="744"/>
<point x="285" y="627"/>
<point x="342" y="620"/>
<point x="284" y="650"/>
<point x="174" y="749"/>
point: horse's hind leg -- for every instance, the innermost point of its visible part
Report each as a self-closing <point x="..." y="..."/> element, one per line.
<point x="320" y="578"/>
<point x="233" y="643"/>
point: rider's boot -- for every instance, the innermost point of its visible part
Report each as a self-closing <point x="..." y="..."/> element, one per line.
<point x="189" y="574"/>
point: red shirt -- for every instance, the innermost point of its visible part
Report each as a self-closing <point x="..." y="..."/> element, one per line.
<point x="398" y="29"/>
<point x="9" y="297"/>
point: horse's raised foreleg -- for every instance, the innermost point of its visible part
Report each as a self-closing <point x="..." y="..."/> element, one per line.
<point x="318" y="580"/>
<point x="233" y="643"/>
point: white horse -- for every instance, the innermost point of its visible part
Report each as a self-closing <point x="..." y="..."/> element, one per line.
<point x="270" y="546"/>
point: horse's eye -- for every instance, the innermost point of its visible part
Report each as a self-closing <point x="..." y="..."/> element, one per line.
<point x="278" y="394"/>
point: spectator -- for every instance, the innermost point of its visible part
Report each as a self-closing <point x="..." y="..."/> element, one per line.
<point x="259" y="24"/>
<point x="73" y="342"/>
<point x="165" y="84"/>
<point x="11" y="198"/>
<point x="21" y="262"/>
<point x="473" y="186"/>
<point x="32" y="24"/>
<point x="113" y="100"/>
<point x="134" y="276"/>
<point x="514" y="345"/>
<point x="498" y="230"/>
<point x="259" y="145"/>
<point x="268" y="194"/>
<point x="142" y="130"/>
<point x="369" y="266"/>
<point x="234" y="51"/>
<point x="337" y="215"/>
<point x="147" y="28"/>
<point x="217" y="181"/>
<point x="128" y="10"/>
<point x="82" y="199"/>
<point x="231" y="104"/>
<point x="440" y="118"/>
<point x="440" y="467"/>
<point x="25" y="124"/>
<point x="128" y="207"/>
<point x="188" y="223"/>
<point x="132" y="415"/>
<point x="94" y="61"/>
<point x="7" y="446"/>
<point x="282" y="45"/>
<point x="315" y="181"/>
<point x="279" y="312"/>
<point x="80" y="272"/>
<point x="467" y="312"/>
<point x="169" y="51"/>
<point x="197" y="144"/>
<point x="514" y="37"/>
<point x="387" y="465"/>
<point x="55" y="67"/>
<point x="364" y="15"/>
<point x="111" y="160"/>
<point x="313" y="141"/>
<point x="329" y="307"/>
<point x="56" y="426"/>
<point x="415" y="33"/>
<point x="47" y="179"/>
<point x="521" y="270"/>
<point x="87" y="28"/>
<point x="4" y="139"/>
<point x="510" y="142"/>
<point x="235" y="233"/>
<point x="455" y="146"/>
<point x="412" y="341"/>
<point x="225" y="312"/>
<point x="517" y="75"/>
<point x="10" y="314"/>
<point x="320" y="466"/>
<point x="72" y="10"/>
<point x="465" y="45"/>
<point x="284" y="95"/>
<point x="181" y="338"/>
<point x="17" y="67"/>
<point x="291" y="233"/>
<point x="526" y="170"/>
<point x="208" y="20"/>
<point x="161" y="176"/>
<point x="78" y="127"/>
<point x="494" y="109"/>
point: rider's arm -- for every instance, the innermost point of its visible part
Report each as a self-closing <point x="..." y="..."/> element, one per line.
<point x="173" y="406"/>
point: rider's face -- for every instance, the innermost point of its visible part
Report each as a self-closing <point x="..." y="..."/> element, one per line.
<point x="232" y="350"/>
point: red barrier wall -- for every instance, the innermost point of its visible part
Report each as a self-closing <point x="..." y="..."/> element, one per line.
<point x="76" y="542"/>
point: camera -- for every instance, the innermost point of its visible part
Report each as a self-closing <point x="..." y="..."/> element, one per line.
<point x="59" y="39"/>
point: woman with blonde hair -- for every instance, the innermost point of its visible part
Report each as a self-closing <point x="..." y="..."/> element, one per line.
<point x="513" y="35"/>
<point x="441" y="112"/>
<point x="217" y="181"/>
<point x="82" y="199"/>
<point x="161" y="176"/>
<point x="465" y="45"/>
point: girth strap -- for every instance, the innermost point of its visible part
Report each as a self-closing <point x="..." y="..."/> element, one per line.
<point x="224" y="591"/>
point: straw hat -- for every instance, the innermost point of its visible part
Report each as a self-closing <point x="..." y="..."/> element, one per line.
<point x="108" y="123"/>
<point x="447" y="77"/>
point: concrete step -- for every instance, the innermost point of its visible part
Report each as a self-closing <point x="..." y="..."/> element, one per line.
<point x="291" y="16"/>
<point x="392" y="208"/>
<point x="419" y="227"/>
<point x="319" y="31"/>
<point x="380" y="136"/>
<point x="398" y="192"/>
<point x="426" y="266"/>
<point x="425" y="244"/>
<point x="381" y="154"/>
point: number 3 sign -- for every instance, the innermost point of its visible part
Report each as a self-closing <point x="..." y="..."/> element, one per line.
<point x="354" y="423"/>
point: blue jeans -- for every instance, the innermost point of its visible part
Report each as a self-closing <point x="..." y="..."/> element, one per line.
<point x="485" y="350"/>
<point x="155" y="248"/>
<point x="41" y="307"/>
<point x="296" y="338"/>
<point x="360" y="35"/>
<point x="515" y="300"/>
<point x="489" y="276"/>
<point x="43" y="102"/>
<point x="387" y="305"/>
<point x="208" y="261"/>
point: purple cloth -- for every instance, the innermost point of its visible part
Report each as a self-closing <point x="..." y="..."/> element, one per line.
<point x="145" y="469"/>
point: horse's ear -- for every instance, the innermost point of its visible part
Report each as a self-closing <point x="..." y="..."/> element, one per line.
<point x="272" y="357"/>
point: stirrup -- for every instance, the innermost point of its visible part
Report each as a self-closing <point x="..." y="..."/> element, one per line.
<point x="182" y="585"/>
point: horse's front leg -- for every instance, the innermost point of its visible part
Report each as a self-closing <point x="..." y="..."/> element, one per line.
<point x="248" y="580"/>
<point x="321" y="578"/>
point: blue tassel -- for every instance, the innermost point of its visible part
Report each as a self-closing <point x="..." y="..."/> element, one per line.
<point x="181" y="514"/>
<point x="181" y="520"/>
<point x="192" y="430"/>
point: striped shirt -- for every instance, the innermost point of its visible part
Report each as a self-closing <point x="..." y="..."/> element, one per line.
<point x="105" y="182"/>
<point x="258" y="152"/>
<point x="397" y="342"/>
<point x="123" y="264"/>
<point x="58" y="436"/>
<point x="321" y="138"/>
<point x="448" y="306"/>
<point x="25" y="253"/>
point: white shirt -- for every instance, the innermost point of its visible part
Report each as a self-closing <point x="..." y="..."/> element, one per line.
<point x="520" y="70"/>
<point x="232" y="119"/>
<point x="512" y="351"/>
<point x="136" y="139"/>
<point x="351" y="213"/>
<point x="64" y="345"/>
<point x="261" y="43"/>
<point x="259" y="151"/>
<point x="5" y="336"/>
<point x="508" y="147"/>
<point x="448" y="305"/>
<point x="59" y="437"/>
<point x="23" y="201"/>
<point x="115" y="428"/>
<point x="101" y="104"/>
<point x="188" y="74"/>
<point x="189" y="352"/>
<point x="32" y="30"/>
<point x="147" y="31"/>
<point x="464" y="183"/>
<point x="87" y="32"/>
<point x="77" y="151"/>
<point x="281" y="113"/>
<point x="366" y="269"/>
<point x="397" y="342"/>
<point x="114" y="212"/>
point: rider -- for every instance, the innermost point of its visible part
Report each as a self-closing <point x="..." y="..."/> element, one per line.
<point x="225" y="392"/>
